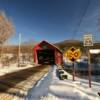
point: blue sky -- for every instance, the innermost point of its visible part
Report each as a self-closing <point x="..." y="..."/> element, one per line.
<point x="52" y="20"/>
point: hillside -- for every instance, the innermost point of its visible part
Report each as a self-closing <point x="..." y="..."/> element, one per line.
<point x="14" y="49"/>
<point x="63" y="45"/>
<point x="66" y="44"/>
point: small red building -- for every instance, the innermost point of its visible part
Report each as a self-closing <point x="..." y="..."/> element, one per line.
<point x="47" y="53"/>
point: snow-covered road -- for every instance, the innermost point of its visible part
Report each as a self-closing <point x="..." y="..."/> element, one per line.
<point x="51" y="88"/>
<point x="41" y="89"/>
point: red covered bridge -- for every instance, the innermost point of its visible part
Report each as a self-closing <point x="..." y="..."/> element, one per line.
<point x="47" y="53"/>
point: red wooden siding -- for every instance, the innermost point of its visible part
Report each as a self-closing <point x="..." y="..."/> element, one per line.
<point x="45" y="45"/>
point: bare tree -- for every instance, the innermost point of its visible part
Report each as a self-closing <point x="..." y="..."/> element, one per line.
<point x="6" y="30"/>
<point x="6" y="27"/>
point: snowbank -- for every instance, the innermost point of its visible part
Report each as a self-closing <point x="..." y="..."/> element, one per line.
<point x="51" y="88"/>
<point x="12" y="68"/>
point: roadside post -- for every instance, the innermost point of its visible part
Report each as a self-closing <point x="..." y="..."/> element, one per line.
<point x="73" y="54"/>
<point x="88" y="42"/>
<point x="19" y="49"/>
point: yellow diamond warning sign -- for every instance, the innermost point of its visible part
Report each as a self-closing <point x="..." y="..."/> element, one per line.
<point x="73" y="54"/>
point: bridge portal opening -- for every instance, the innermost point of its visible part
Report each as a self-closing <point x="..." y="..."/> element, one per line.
<point x="46" y="56"/>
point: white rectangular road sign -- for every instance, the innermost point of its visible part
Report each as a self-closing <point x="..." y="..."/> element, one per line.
<point x="94" y="51"/>
<point x="88" y="40"/>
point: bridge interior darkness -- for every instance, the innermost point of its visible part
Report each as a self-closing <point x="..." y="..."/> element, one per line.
<point x="46" y="56"/>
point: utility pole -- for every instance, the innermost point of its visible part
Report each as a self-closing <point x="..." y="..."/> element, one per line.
<point x="19" y="49"/>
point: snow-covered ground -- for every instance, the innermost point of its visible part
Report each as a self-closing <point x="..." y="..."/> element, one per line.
<point x="12" y="68"/>
<point x="51" y="88"/>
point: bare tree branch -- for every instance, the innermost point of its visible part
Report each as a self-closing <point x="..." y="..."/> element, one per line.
<point x="6" y="27"/>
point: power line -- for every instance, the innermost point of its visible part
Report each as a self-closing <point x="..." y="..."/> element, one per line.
<point x="81" y="19"/>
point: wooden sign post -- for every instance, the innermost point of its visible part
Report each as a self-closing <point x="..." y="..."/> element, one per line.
<point x="88" y="41"/>
<point x="89" y="67"/>
<point x="74" y="71"/>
